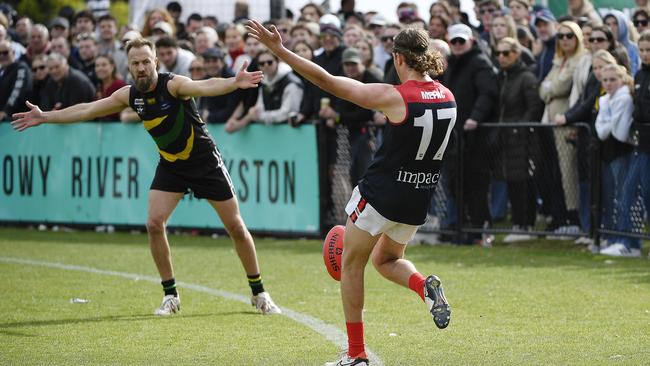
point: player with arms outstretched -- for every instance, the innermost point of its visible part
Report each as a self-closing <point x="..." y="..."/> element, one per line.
<point x="189" y="159"/>
<point x="392" y="199"/>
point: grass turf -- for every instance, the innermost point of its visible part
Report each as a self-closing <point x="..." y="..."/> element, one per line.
<point x="539" y="303"/>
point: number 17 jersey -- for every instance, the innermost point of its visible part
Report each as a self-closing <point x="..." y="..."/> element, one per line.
<point x="402" y="177"/>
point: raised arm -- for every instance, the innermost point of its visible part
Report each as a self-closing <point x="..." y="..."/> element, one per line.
<point x="184" y="87"/>
<point x="381" y="97"/>
<point x="76" y="113"/>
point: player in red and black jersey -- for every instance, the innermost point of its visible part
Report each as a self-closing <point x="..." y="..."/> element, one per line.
<point x="391" y="200"/>
<point x="189" y="159"/>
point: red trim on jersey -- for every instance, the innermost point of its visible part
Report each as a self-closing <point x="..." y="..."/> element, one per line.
<point x="354" y="216"/>
<point x="413" y="91"/>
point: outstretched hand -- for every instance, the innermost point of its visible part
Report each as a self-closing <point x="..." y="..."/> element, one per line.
<point x="25" y="120"/>
<point x="245" y="79"/>
<point x="270" y="38"/>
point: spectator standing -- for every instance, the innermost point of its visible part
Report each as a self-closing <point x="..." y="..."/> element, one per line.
<point x="59" y="27"/>
<point x="88" y="53"/>
<point x="438" y="25"/>
<point x="40" y="77"/>
<point x="352" y="35"/>
<point x="217" y="109"/>
<point x="518" y="102"/>
<point x="637" y="179"/>
<point x="84" y="22"/>
<point x="39" y="43"/>
<point x="487" y="10"/>
<point x="194" y="23"/>
<point x="197" y="69"/>
<point x="383" y="52"/>
<point x="618" y="23"/>
<point x="173" y="58"/>
<point x="109" y="45"/>
<point x="555" y="91"/>
<point x="641" y="19"/>
<point x="234" y="42"/>
<point x="311" y="12"/>
<point x="520" y="11"/>
<point x="471" y="77"/>
<point x="109" y="82"/>
<point x="365" y="48"/>
<point x="504" y="26"/>
<point x="62" y="46"/>
<point x="584" y="9"/>
<point x="18" y="48"/>
<point x="23" y="27"/>
<point x="205" y="38"/>
<point x="613" y="129"/>
<point x="15" y="82"/>
<point x="175" y="9"/>
<point x="154" y="17"/>
<point x="544" y="47"/>
<point x="66" y="86"/>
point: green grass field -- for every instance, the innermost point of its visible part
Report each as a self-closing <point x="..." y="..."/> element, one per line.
<point x="544" y="303"/>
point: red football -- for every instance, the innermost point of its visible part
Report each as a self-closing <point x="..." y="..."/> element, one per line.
<point x="332" y="250"/>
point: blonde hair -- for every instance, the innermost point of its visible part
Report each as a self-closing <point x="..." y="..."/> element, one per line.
<point x="621" y="72"/>
<point x="512" y="43"/>
<point x="511" y="26"/>
<point x="577" y="32"/>
<point x="604" y="56"/>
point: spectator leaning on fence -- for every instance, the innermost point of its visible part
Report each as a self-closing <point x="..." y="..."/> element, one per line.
<point x="218" y="108"/>
<point x="109" y="82"/>
<point x="637" y="179"/>
<point x="613" y="128"/>
<point x="66" y="86"/>
<point x="40" y="77"/>
<point x="15" y="82"/>
<point x="519" y="151"/>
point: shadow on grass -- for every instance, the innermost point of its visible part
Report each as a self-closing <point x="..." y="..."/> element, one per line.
<point x="111" y="318"/>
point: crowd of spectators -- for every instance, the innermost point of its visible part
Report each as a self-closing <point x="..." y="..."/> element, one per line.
<point x="521" y="63"/>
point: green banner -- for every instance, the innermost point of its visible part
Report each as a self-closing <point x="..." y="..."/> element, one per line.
<point x="100" y="173"/>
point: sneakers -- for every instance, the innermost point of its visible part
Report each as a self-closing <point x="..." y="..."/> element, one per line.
<point x="583" y="240"/>
<point x="170" y="304"/>
<point x="519" y="234"/>
<point x="346" y="360"/>
<point x="265" y="304"/>
<point x="620" y="250"/>
<point x="435" y="299"/>
<point x="566" y="232"/>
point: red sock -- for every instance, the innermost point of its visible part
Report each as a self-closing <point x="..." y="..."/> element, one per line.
<point x="416" y="283"/>
<point x="356" y="345"/>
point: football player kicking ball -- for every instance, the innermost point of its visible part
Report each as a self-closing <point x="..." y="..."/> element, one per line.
<point x="391" y="200"/>
<point x="189" y="159"/>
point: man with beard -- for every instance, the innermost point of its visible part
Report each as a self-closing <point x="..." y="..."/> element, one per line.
<point x="189" y="158"/>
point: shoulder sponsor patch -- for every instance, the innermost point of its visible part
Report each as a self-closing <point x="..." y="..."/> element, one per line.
<point x="138" y="101"/>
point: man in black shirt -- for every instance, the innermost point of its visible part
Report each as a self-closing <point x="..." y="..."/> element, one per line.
<point x="189" y="158"/>
<point x="15" y="82"/>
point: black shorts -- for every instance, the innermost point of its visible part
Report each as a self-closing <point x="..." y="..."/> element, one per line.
<point x="209" y="179"/>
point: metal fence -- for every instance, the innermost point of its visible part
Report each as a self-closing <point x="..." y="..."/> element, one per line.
<point x="523" y="180"/>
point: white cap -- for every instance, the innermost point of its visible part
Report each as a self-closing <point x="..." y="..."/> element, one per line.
<point x="460" y="31"/>
<point x="165" y="27"/>
<point x="330" y="19"/>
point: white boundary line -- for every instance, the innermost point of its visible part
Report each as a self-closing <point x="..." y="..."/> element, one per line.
<point x="330" y="332"/>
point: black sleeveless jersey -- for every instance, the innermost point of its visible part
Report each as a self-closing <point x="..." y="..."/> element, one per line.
<point x="401" y="179"/>
<point x="175" y="125"/>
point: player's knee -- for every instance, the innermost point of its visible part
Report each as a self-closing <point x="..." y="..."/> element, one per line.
<point x="380" y="259"/>
<point x="237" y="230"/>
<point x="155" y="225"/>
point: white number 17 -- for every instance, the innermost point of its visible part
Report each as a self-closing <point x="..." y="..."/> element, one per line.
<point x="426" y="120"/>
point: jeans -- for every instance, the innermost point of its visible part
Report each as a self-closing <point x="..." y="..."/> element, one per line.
<point x="612" y="176"/>
<point x="637" y="181"/>
<point x="498" y="199"/>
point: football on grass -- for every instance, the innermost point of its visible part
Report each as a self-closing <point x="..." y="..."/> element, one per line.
<point x="332" y="251"/>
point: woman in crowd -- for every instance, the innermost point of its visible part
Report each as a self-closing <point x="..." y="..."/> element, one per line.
<point x="640" y="19"/>
<point x="234" y="42"/>
<point x="625" y="35"/>
<point x="613" y="129"/>
<point x="637" y="180"/>
<point x="155" y="16"/>
<point x="109" y="82"/>
<point x="504" y="26"/>
<point x="584" y="9"/>
<point x="367" y="57"/>
<point x="555" y="91"/>
<point x="518" y="102"/>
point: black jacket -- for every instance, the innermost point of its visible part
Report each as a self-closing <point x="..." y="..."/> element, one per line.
<point x="353" y="116"/>
<point x="221" y="107"/>
<point x="519" y="101"/>
<point x="73" y="89"/>
<point x="15" y="88"/>
<point x="642" y="107"/>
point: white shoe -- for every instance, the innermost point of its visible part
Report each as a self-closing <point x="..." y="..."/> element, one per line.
<point x="583" y="240"/>
<point x="620" y="250"/>
<point x="519" y="234"/>
<point x="170" y="304"/>
<point x="564" y="233"/>
<point x="346" y="360"/>
<point x="265" y="304"/>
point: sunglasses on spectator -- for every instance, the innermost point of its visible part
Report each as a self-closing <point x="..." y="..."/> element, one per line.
<point x="386" y="38"/>
<point x="37" y="68"/>
<point x="640" y="22"/>
<point x="597" y="39"/>
<point x="565" y="35"/>
<point x="502" y="53"/>
<point x="458" y="40"/>
<point x="488" y="10"/>
<point x="269" y="62"/>
<point x="85" y="37"/>
<point x="193" y="69"/>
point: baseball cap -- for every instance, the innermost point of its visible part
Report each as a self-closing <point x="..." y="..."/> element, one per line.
<point x="330" y="19"/>
<point x="60" y="22"/>
<point x="213" y="52"/>
<point x="130" y="35"/>
<point x="331" y="30"/>
<point x="460" y="31"/>
<point x="351" y="55"/>
<point x="544" y="15"/>
<point x="378" y="20"/>
<point x="165" y="27"/>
